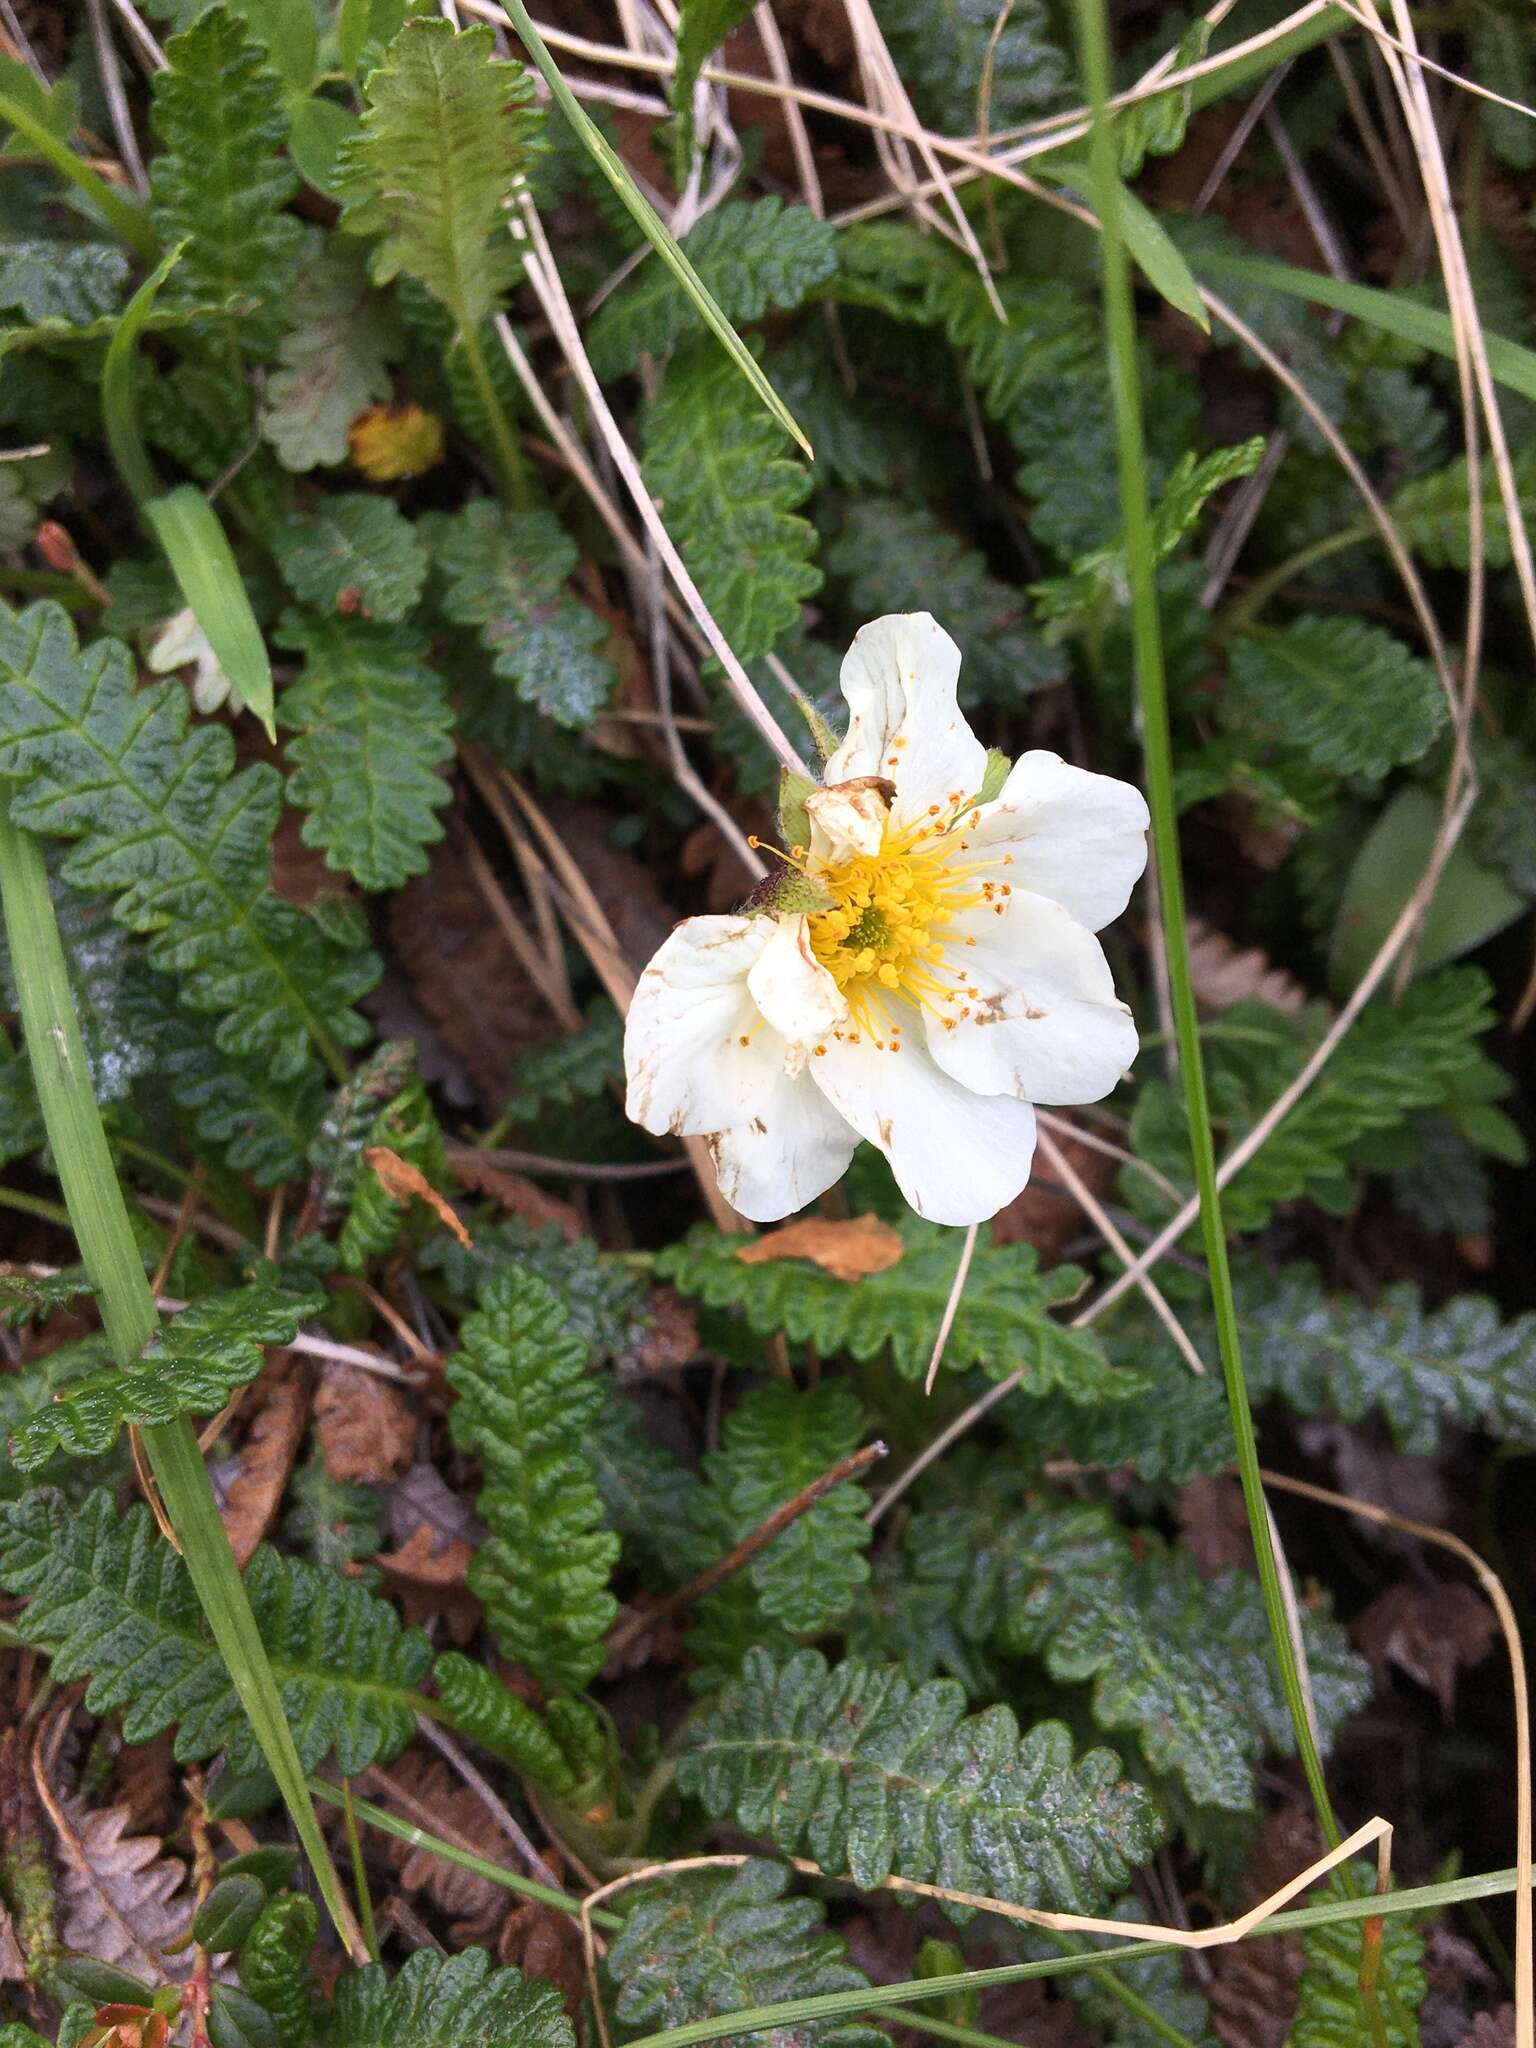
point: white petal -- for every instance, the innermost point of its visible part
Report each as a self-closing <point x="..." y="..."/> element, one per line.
<point x="687" y="1070"/>
<point x="180" y="640"/>
<point x="1045" y="1023"/>
<point x="900" y="677"/>
<point x="1078" y="838"/>
<point x="791" y="987"/>
<point x="845" y="821"/>
<point x="793" y="1148"/>
<point x="957" y="1157"/>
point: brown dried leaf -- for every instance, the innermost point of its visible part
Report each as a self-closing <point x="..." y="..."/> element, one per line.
<point x="432" y="1529"/>
<point x="1047" y="1215"/>
<point x="146" y="1782"/>
<point x="516" y="1194"/>
<point x="1429" y="1632"/>
<point x="1492" y="2030"/>
<point x="1223" y="974"/>
<point x="425" y="1791"/>
<point x="624" y="885"/>
<point x="120" y="1898"/>
<point x="462" y="972"/>
<point x="13" y="1964"/>
<point x="1214" y="1524"/>
<point x="848" y="1251"/>
<point x="366" y="1427"/>
<point x="254" y="1494"/>
<point x="403" y="1182"/>
<point x="541" y="1941"/>
<point x="670" y="1339"/>
<point x="1252" y="1991"/>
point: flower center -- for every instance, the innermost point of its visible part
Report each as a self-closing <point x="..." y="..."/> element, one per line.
<point x="889" y="930"/>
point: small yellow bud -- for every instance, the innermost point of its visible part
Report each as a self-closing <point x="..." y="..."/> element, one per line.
<point x="389" y="442"/>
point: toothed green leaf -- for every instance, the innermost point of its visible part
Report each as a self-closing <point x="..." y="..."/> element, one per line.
<point x="868" y="1774"/>
<point x="358" y="554"/>
<point x="1346" y="694"/>
<point x="438" y="2001"/>
<point x="370" y="725"/>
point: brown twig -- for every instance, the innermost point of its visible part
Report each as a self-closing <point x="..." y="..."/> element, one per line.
<point x="723" y="1568"/>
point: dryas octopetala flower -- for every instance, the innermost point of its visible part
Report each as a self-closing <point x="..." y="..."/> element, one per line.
<point x="920" y="974"/>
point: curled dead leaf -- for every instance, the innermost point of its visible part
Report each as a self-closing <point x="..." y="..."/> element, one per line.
<point x="848" y="1251"/>
<point x="403" y="1182"/>
<point x="422" y="1789"/>
<point x="514" y="1191"/>
<point x="669" y="1337"/>
<point x="1225" y="973"/>
<point x="366" y="1427"/>
<point x="255" y="1491"/>
<point x="543" y="1942"/>
<point x="1430" y="1633"/>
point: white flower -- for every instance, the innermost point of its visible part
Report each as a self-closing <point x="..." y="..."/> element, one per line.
<point x="926" y="973"/>
<point x="181" y="640"/>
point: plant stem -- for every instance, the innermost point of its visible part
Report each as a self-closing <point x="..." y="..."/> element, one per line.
<point x="1125" y="389"/>
<point x="128" y="221"/>
<point x="34" y="1205"/>
<point x="510" y="460"/>
<point x="94" y="1200"/>
<point x="1244" y="610"/>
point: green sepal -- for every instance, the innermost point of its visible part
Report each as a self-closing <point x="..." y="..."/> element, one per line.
<point x="995" y="775"/>
<point x="794" y="818"/>
<point x="824" y="739"/>
<point x="786" y="893"/>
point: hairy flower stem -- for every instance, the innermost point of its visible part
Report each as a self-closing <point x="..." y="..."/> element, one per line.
<point x="99" y="1215"/>
<point x="1146" y="631"/>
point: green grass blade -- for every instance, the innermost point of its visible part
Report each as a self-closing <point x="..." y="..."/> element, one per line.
<point x="1513" y="365"/>
<point x="119" y="392"/>
<point x="128" y="221"/>
<point x="1146" y="632"/>
<point x="203" y="563"/>
<point x="108" y="1249"/>
<point x="654" y="230"/>
<point x="1161" y="261"/>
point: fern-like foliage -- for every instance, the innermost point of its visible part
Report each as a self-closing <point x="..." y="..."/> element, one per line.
<point x="1330" y="2011"/>
<point x="1417" y="1367"/>
<point x="896" y="556"/>
<point x="1346" y="694"/>
<point x="941" y="53"/>
<point x="357" y="554"/>
<point x="1393" y="1061"/>
<point x="407" y="1125"/>
<point x="575" y="1068"/>
<point x="192" y="1368"/>
<point x="332" y="360"/>
<point x="1099" y="584"/>
<point x="728" y="490"/>
<point x="439" y="2001"/>
<point x="777" y="1440"/>
<point x="869" y="1775"/>
<point x="648" y="1495"/>
<point x="506" y="574"/>
<point x="751" y="254"/>
<point x="604" y="1303"/>
<point x="1003" y="1323"/>
<point x="45" y="279"/>
<point x="1158" y="1981"/>
<point x="525" y="1403"/>
<point x="1184" y="1662"/>
<point x="446" y="132"/>
<point x="481" y="1707"/>
<point x="274" y="1965"/>
<point x="371" y="724"/>
<point x="108" y="1597"/>
<point x="238" y="1109"/>
<point x="221" y="180"/>
<point x="1431" y="512"/>
<point x="181" y="844"/>
<point x="716" y="1941"/>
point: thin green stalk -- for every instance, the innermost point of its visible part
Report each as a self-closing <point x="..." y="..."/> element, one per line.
<point x="99" y="1217"/>
<point x="359" y="1872"/>
<point x="875" y="1998"/>
<point x="1146" y="631"/>
<point x="128" y="222"/>
<point x="511" y="464"/>
<point x="34" y="1205"/>
<point x="951" y="2030"/>
<point x="388" y="1823"/>
<point x="1242" y="613"/>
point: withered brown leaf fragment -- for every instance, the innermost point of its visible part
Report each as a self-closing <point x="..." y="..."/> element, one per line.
<point x="366" y="1427"/>
<point x="403" y="1182"/>
<point x="1430" y="1633"/>
<point x="848" y="1251"/>
<point x="264" y="1461"/>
